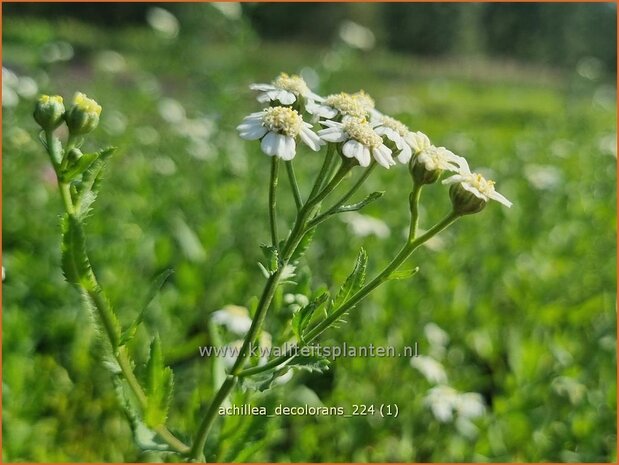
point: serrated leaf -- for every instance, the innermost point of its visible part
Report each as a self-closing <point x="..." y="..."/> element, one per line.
<point x="311" y="363"/>
<point x="305" y="242"/>
<point x="91" y="176"/>
<point x="355" y="280"/>
<point x="145" y="438"/>
<point x="159" y="387"/>
<point x="363" y="203"/>
<point x="404" y="274"/>
<point x="75" y="263"/>
<point x="302" y="317"/>
<point x="154" y="289"/>
<point x="271" y="254"/>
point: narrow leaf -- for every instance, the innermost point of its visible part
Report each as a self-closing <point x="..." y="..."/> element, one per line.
<point x="311" y="363"/>
<point x="359" y="205"/>
<point x="302" y="317"/>
<point x="159" y="386"/>
<point x="272" y="255"/>
<point x="79" y="166"/>
<point x="303" y="245"/>
<point x="75" y="264"/>
<point x="404" y="274"/>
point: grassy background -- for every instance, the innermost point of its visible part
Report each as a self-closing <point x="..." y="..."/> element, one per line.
<point x="526" y="295"/>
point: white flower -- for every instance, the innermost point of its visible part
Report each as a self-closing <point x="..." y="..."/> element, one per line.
<point x="358" y="105"/>
<point x="477" y="185"/>
<point x="444" y="401"/>
<point x="236" y="319"/>
<point x="364" y="225"/>
<point x="278" y="127"/>
<point x="440" y="159"/>
<point x="431" y="369"/>
<point x="285" y="89"/>
<point x="407" y="142"/>
<point x="360" y="141"/>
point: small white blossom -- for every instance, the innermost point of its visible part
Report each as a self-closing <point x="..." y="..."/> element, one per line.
<point x="439" y="158"/>
<point x="430" y="368"/>
<point x="357" y="105"/>
<point x="363" y="225"/>
<point x="360" y="141"/>
<point x="285" y="89"/>
<point x="278" y="128"/>
<point x="477" y="185"/>
<point x="444" y="401"/>
<point x="236" y="319"/>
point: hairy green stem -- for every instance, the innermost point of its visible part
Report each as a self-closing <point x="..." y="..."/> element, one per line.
<point x="273" y="200"/>
<point x="294" y="185"/>
<point x="94" y="293"/>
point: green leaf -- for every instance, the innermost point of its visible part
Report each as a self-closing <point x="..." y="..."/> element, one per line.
<point x="271" y="253"/>
<point x="159" y="386"/>
<point x="79" y="166"/>
<point x="88" y="188"/>
<point x="75" y="263"/>
<point x="305" y="242"/>
<point x="404" y="274"/>
<point x="311" y="363"/>
<point x="355" y="280"/>
<point x="302" y="317"/>
<point x="154" y="289"/>
<point x="359" y="205"/>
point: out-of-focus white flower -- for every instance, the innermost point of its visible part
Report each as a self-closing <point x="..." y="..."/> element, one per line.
<point x="231" y="10"/>
<point x="236" y="319"/>
<point x="431" y="369"/>
<point x="444" y="401"/>
<point x="110" y="61"/>
<point x="278" y="128"/>
<point x="357" y="36"/>
<point x="436" y="335"/>
<point x="359" y="139"/>
<point x="171" y="110"/>
<point x="543" y="177"/>
<point x="285" y="89"/>
<point x="162" y="21"/>
<point x="364" y="225"/>
<point x="476" y="185"/>
<point x="357" y="105"/>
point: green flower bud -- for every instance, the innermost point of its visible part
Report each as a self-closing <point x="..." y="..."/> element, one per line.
<point x="49" y="112"/>
<point x="83" y="116"/>
<point x="423" y="175"/>
<point x="74" y="155"/>
<point x="465" y="202"/>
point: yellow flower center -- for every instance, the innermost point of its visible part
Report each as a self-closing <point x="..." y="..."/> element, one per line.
<point x="347" y="105"/>
<point x="283" y="120"/>
<point x="361" y="131"/>
<point x="51" y="99"/>
<point x="364" y="99"/>
<point x="481" y="184"/>
<point x="86" y="104"/>
<point x="294" y="84"/>
<point x="394" y="124"/>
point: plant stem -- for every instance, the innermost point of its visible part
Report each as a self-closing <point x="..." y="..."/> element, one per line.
<point x="95" y="294"/>
<point x="273" y="200"/>
<point x="322" y="217"/>
<point x="296" y="235"/>
<point x="323" y="170"/>
<point x="411" y="245"/>
<point x="295" y="186"/>
<point x="414" y="207"/>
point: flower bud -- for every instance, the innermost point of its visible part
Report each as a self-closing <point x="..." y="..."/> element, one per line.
<point x="465" y="202"/>
<point x="83" y="116"/>
<point x="49" y="112"/>
<point x="421" y="174"/>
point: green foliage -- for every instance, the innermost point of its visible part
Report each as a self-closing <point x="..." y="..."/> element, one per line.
<point x="526" y="296"/>
<point x="75" y="264"/>
<point x="302" y="317"/>
<point x="354" y="281"/>
<point x="159" y="386"/>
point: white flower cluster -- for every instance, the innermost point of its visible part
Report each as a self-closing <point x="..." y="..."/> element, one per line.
<point x="360" y="132"/>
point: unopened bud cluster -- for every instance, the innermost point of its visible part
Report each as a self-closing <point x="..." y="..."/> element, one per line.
<point x="81" y="118"/>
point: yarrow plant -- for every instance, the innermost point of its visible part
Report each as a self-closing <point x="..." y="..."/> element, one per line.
<point x="356" y="138"/>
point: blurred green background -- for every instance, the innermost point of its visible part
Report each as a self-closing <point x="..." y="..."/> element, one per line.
<point x="517" y="305"/>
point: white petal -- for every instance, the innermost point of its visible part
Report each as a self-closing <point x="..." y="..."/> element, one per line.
<point x="270" y="143"/>
<point x="406" y="154"/>
<point x="287" y="149"/>
<point x="352" y="149"/>
<point x="315" y="97"/>
<point x="311" y="139"/>
<point x="333" y="135"/>
<point x="500" y="198"/>
<point x="286" y="98"/>
<point x="364" y="157"/>
<point x="473" y="190"/>
<point x="456" y="178"/>
<point x="262" y="87"/>
<point x="252" y="132"/>
<point x="383" y="156"/>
